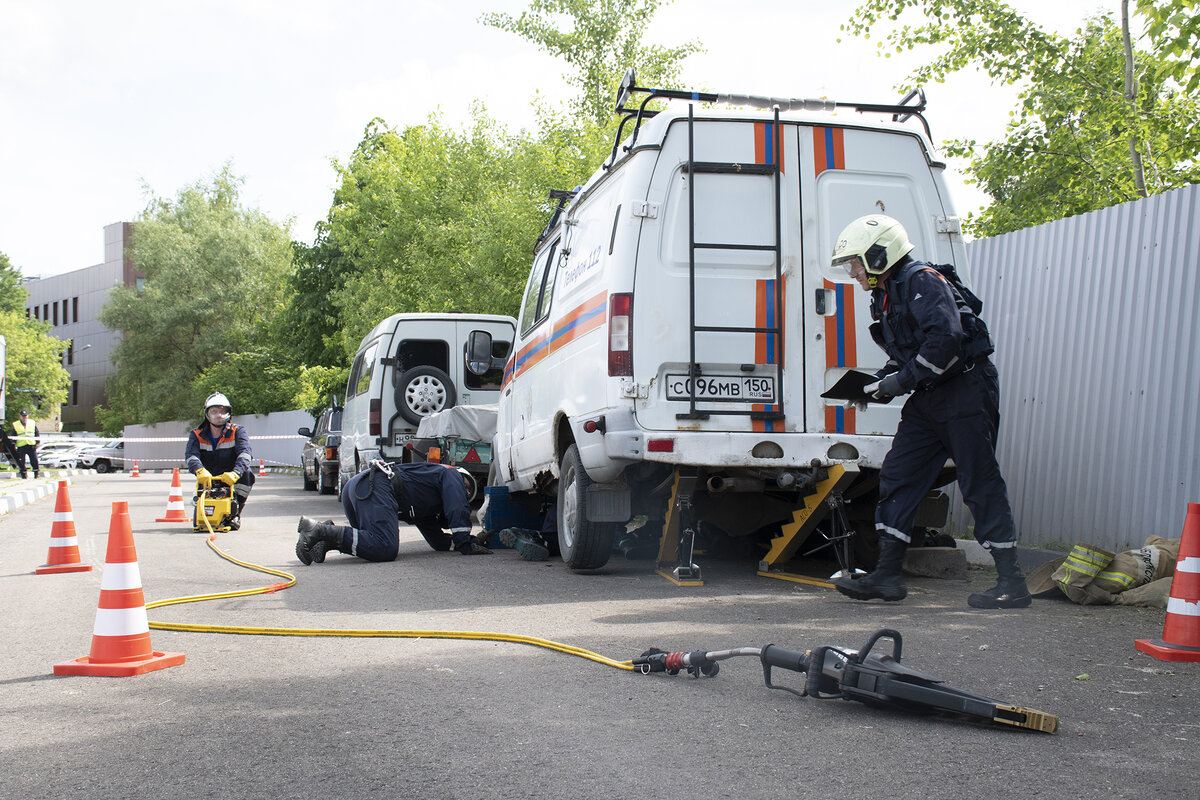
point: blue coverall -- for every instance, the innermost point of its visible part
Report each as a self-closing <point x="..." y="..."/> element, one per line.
<point x="954" y="410"/>
<point x="435" y="498"/>
<point x="229" y="452"/>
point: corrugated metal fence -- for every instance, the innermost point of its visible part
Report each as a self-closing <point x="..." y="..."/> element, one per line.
<point x="1096" y="320"/>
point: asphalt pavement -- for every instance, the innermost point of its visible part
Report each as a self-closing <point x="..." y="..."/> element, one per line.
<point x="254" y="716"/>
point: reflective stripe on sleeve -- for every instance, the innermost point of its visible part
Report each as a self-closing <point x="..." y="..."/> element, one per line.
<point x="924" y="362"/>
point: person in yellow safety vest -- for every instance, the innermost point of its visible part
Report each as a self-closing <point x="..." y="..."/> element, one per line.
<point x="25" y="441"/>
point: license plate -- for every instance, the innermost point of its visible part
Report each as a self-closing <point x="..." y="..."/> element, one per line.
<point x="728" y="388"/>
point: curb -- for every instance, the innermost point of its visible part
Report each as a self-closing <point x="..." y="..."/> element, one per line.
<point x="14" y="498"/>
<point x="1027" y="557"/>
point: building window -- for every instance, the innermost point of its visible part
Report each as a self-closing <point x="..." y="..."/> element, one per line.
<point x="54" y="306"/>
<point x="140" y="283"/>
<point x="75" y="308"/>
<point x="71" y="353"/>
<point x="74" y="393"/>
<point x="45" y="312"/>
<point x="66" y="312"/>
<point x="27" y="314"/>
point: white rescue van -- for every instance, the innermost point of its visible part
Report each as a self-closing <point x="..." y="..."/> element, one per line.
<point x="408" y="367"/>
<point x="682" y="319"/>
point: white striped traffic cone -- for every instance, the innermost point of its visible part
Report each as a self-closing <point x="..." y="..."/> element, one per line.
<point x="135" y="473"/>
<point x="1181" y="630"/>
<point x="121" y="637"/>
<point x="262" y="471"/>
<point x="64" y="547"/>
<point x="175" y="510"/>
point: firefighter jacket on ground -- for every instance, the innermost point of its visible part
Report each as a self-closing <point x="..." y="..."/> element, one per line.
<point x="927" y="330"/>
<point x="230" y="452"/>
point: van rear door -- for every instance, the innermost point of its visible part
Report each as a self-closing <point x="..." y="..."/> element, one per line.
<point x="846" y="173"/>
<point x="717" y="292"/>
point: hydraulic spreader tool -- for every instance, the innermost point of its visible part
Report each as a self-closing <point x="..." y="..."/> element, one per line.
<point x="838" y="672"/>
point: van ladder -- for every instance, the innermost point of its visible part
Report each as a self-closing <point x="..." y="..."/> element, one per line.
<point x="694" y="168"/>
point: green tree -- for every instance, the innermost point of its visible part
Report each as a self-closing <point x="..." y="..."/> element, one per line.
<point x="1175" y="28"/>
<point x="13" y="294"/>
<point x="214" y="278"/>
<point x="438" y="220"/>
<point x="1099" y="122"/>
<point x="35" y="378"/>
<point x="599" y="39"/>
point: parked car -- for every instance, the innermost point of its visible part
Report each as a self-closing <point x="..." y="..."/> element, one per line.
<point x="63" y="457"/>
<point x="319" y="457"/>
<point x="408" y="367"/>
<point x="104" y="459"/>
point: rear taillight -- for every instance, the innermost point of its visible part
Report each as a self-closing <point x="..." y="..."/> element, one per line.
<point x="373" y="414"/>
<point x="620" y="335"/>
<point x="331" y="454"/>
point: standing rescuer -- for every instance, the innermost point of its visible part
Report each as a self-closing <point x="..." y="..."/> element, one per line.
<point x="938" y="350"/>
<point x="220" y="450"/>
<point x="429" y="496"/>
<point x="25" y="442"/>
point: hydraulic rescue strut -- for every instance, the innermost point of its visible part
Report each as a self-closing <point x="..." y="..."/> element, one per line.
<point x="838" y="672"/>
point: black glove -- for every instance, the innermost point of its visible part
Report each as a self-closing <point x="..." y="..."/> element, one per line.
<point x="885" y="389"/>
<point x="473" y="548"/>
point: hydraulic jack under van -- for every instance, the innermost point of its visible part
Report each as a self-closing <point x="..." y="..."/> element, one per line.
<point x="214" y="507"/>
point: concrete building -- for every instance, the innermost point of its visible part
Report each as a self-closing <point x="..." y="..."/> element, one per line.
<point x="71" y="303"/>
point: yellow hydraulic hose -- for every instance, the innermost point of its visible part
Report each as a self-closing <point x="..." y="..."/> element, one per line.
<point x="346" y="632"/>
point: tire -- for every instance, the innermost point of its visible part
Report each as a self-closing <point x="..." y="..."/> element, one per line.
<point x="102" y="466"/>
<point x="582" y="544"/>
<point x="309" y="484"/>
<point x="422" y="391"/>
<point x="322" y="486"/>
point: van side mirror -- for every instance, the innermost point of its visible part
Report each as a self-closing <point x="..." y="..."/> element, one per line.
<point x="305" y="432"/>
<point x="479" y="357"/>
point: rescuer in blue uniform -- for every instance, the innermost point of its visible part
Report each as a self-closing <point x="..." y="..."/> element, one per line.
<point x="938" y="350"/>
<point x="220" y="450"/>
<point x="430" y="496"/>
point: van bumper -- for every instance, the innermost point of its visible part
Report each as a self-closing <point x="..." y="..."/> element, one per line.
<point x="747" y="449"/>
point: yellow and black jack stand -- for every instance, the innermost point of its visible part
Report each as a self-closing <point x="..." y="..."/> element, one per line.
<point x="679" y="536"/>
<point x="825" y="498"/>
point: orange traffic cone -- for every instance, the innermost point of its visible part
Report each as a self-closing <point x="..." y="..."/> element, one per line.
<point x="121" y="637"/>
<point x="262" y="471"/>
<point x="1181" y="631"/>
<point x="135" y="473"/>
<point x="175" y="509"/>
<point x="64" y="547"/>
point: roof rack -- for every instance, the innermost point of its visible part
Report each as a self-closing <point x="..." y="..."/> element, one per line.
<point x="901" y="112"/>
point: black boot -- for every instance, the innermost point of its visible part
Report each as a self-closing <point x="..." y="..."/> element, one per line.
<point x="1010" y="590"/>
<point x="886" y="581"/>
<point x="317" y="538"/>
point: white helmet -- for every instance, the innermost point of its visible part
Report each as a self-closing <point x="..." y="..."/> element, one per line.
<point x="878" y="241"/>
<point x="221" y="409"/>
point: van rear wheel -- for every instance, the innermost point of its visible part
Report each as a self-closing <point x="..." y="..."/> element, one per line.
<point x="582" y="543"/>
<point x="421" y="391"/>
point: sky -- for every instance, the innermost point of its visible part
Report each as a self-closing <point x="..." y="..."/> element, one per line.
<point x="105" y="105"/>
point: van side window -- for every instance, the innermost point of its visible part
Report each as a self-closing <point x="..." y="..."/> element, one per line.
<point x="541" y="287"/>
<point x="491" y="379"/>
<point x="361" y="380"/>
<point x="421" y="353"/>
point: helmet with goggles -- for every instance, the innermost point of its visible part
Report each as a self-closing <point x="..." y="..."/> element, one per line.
<point x="217" y="409"/>
<point x="875" y="241"/>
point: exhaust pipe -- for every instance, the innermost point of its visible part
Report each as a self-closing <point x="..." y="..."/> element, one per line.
<point x="717" y="484"/>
